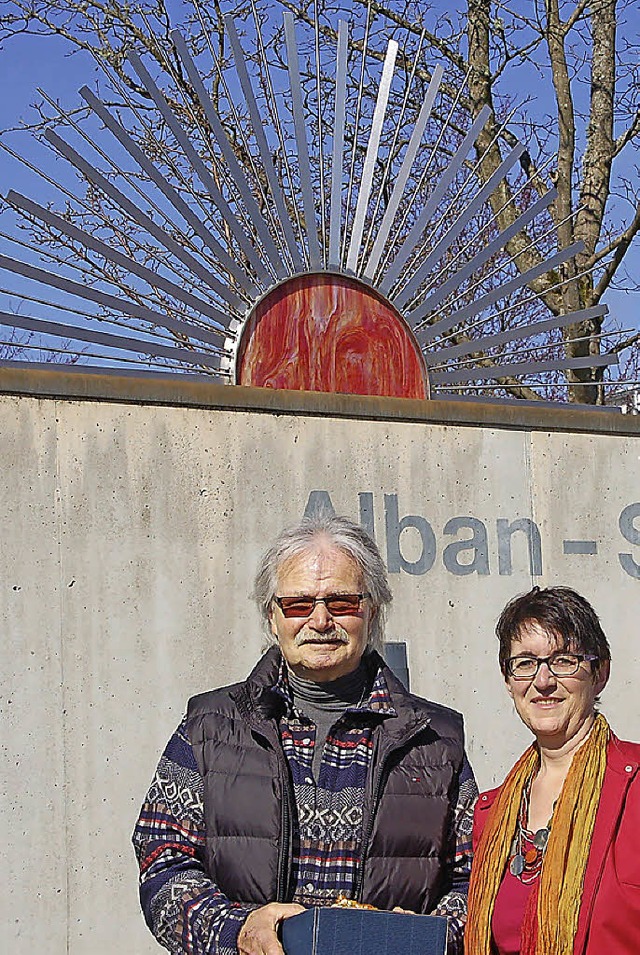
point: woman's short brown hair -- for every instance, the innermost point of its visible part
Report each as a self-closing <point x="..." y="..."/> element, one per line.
<point x="563" y="613"/>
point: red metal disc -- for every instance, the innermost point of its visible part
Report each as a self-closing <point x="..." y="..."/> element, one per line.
<point x="321" y="332"/>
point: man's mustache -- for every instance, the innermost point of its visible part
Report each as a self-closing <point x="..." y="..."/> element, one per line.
<point x="336" y="635"/>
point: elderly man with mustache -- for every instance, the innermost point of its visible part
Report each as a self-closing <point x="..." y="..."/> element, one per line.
<point x="318" y="777"/>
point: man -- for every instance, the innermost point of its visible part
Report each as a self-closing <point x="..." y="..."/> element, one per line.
<point x="317" y="777"/>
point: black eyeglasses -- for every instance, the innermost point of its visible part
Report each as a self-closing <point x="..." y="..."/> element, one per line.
<point x="560" y="663"/>
<point x="338" y="605"/>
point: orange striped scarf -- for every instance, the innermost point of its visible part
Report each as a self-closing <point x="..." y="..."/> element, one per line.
<point x="551" y="916"/>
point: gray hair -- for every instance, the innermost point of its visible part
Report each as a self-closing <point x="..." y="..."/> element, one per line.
<point x="346" y="536"/>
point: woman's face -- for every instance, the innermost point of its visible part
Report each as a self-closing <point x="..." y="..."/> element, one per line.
<point x="554" y="708"/>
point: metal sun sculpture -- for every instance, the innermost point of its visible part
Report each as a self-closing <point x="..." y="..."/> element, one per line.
<point x="324" y="261"/>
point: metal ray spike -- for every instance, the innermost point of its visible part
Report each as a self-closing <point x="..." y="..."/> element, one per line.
<point x="117" y="370"/>
<point x="537" y="348"/>
<point x="391" y="151"/>
<point x="153" y="278"/>
<point x="337" y="172"/>
<point x="356" y="133"/>
<point x="116" y="303"/>
<point x="261" y="139"/>
<point x="321" y="175"/>
<point x="301" y="141"/>
<point x="413" y="285"/>
<point x="393" y="273"/>
<point x="513" y="334"/>
<point x="445" y="324"/>
<point x="492" y="248"/>
<point x="366" y="181"/>
<point x="520" y="368"/>
<point x="199" y="168"/>
<point x="239" y="128"/>
<point x="233" y="165"/>
<point x="403" y="175"/>
<point x="169" y="192"/>
<point x="59" y="330"/>
<point x="420" y="187"/>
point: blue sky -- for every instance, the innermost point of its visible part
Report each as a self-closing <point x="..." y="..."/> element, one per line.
<point x="29" y="62"/>
<point x="25" y="64"/>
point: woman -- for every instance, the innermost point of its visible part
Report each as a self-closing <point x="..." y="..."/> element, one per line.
<point x="556" y="869"/>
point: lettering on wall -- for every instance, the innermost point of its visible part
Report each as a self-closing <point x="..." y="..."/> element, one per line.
<point x="631" y="533"/>
<point x="413" y="544"/>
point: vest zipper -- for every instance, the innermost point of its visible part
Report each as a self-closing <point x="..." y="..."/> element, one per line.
<point x="285" y="843"/>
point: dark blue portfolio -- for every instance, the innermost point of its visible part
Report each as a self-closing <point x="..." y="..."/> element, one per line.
<point x="335" y="931"/>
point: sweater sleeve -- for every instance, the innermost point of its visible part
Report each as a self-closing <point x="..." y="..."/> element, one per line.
<point x="453" y="905"/>
<point x="183" y="907"/>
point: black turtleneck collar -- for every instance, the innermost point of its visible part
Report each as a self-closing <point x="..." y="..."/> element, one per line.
<point x="334" y="695"/>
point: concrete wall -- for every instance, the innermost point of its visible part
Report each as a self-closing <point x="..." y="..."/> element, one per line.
<point x="130" y="533"/>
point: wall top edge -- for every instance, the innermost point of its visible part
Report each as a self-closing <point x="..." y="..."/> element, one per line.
<point x="171" y="390"/>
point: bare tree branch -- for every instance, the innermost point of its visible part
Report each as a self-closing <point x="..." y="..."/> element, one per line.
<point x="620" y="246"/>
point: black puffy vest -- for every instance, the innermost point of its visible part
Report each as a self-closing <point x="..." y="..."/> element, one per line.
<point x="248" y="799"/>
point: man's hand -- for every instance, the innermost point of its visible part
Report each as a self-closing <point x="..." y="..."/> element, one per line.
<point x="258" y="935"/>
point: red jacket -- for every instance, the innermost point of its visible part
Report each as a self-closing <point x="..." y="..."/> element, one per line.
<point x="609" y="920"/>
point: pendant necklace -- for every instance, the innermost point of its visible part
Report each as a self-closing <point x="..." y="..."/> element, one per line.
<point x="528" y="848"/>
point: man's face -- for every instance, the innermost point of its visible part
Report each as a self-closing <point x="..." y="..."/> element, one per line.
<point x="321" y="647"/>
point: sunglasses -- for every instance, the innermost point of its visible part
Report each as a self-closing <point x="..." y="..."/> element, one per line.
<point x="338" y="605"/>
